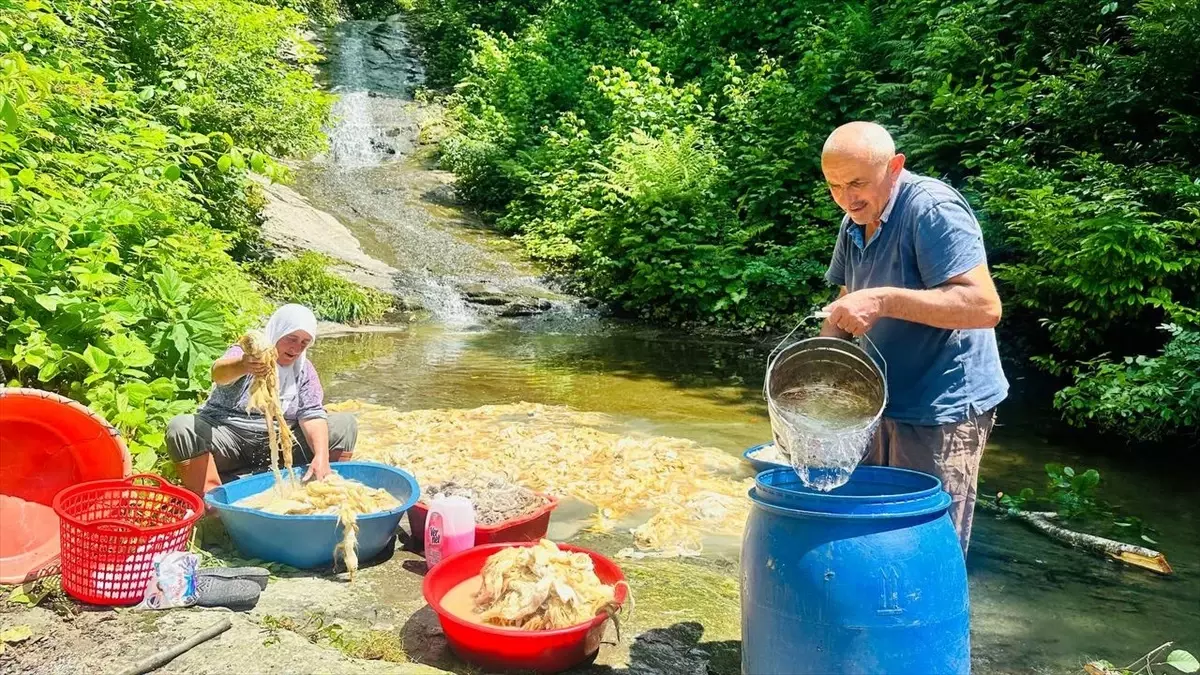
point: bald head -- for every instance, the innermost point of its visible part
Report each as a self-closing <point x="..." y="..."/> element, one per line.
<point x="864" y="141"/>
<point x="861" y="166"/>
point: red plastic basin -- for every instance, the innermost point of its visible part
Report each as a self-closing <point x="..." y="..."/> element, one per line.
<point x="546" y="651"/>
<point x="530" y="527"/>
<point x="47" y="443"/>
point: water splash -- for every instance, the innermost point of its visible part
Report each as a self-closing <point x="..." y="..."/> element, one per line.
<point x="444" y="302"/>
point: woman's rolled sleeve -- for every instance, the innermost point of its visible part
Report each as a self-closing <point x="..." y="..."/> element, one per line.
<point x="311" y="397"/>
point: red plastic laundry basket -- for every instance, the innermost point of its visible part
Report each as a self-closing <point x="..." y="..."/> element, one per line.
<point x="111" y="530"/>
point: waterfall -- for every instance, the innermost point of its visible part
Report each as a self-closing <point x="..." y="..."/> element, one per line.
<point x="354" y="129"/>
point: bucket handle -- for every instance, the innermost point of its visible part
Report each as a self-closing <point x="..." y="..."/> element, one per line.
<point x="819" y="314"/>
<point x="882" y="361"/>
<point x="784" y="341"/>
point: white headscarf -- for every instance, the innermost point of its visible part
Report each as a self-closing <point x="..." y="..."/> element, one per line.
<point x="287" y="320"/>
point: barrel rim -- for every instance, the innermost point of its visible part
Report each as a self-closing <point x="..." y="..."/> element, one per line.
<point x="806" y="503"/>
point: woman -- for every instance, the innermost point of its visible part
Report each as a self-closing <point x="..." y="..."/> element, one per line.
<point x="223" y="437"/>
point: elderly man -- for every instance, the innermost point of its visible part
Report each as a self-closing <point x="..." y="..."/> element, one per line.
<point x="914" y="278"/>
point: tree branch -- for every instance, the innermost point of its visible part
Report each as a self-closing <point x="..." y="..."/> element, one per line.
<point x="1130" y="554"/>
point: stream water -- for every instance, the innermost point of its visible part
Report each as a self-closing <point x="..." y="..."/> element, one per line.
<point x="1037" y="606"/>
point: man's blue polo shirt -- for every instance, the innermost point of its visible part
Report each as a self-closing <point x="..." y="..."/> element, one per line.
<point x="929" y="234"/>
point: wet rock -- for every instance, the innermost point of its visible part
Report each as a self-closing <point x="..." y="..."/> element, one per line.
<point x="487" y="299"/>
<point x="525" y="307"/>
<point x="288" y="52"/>
<point x="294" y="225"/>
<point x="482" y="293"/>
<point x="442" y="195"/>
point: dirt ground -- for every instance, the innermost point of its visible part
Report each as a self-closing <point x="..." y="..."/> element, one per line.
<point x="685" y="619"/>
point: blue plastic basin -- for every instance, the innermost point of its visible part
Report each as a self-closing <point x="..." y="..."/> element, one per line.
<point x="758" y="464"/>
<point x="307" y="542"/>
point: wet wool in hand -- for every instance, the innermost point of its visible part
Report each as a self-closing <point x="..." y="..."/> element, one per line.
<point x="264" y="398"/>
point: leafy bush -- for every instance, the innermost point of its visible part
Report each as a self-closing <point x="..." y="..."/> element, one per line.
<point x="117" y="201"/>
<point x="690" y="190"/>
<point x="1143" y="397"/>
<point x="1095" y="262"/>
<point x="216" y="65"/>
<point x="306" y="280"/>
<point x="325" y="12"/>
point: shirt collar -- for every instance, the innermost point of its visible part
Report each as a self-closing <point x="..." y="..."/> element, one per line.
<point x="887" y="210"/>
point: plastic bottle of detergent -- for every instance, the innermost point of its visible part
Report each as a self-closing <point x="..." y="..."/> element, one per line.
<point x="449" y="528"/>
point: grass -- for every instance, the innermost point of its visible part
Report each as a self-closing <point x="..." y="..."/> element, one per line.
<point x="668" y="592"/>
<point x="372" y="645"/>
<point x="46" y="592"/>
<point x="306" y="280"/>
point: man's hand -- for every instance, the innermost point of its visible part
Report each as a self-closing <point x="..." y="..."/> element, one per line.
<point x="856" y="312"/>
<point x="318" y="468"/>
<point x="254" y="366"/>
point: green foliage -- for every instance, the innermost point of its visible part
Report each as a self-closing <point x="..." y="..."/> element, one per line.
<point x="666" y="154"/>
<point x="121" y="193"/>
<point x="1144" y="397"/>
<point x="306" y="280"/>
<point x="215" y="65"/>
<point x="1095" y="262"/>
<point x="1073" y="496"/>
<point x="369" y="9"/>
<point x="322" y="12"/>
<point x="1180" y="661"/>
<point x="446" y="26"/>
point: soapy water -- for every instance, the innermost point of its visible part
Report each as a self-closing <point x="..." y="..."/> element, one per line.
<point x="824" y="430"/>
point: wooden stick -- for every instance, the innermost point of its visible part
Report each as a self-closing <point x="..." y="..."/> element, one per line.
<point x="160" y="659"/>
<point x="1139" y="556"/>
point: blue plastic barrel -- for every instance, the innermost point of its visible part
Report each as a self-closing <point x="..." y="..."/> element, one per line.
<point x="867" y="578"/>
<point x="306" y="542"/>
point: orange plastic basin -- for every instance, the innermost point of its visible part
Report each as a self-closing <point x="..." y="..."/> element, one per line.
<point x="47" y="443"/>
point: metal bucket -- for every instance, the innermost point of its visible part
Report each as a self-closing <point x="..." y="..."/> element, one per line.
<point x="825" y="455"/>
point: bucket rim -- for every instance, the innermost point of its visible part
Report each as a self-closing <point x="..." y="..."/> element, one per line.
<point x="849" y="348"/>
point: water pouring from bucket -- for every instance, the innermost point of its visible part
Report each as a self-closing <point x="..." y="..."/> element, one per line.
<point x="825" y="397"/>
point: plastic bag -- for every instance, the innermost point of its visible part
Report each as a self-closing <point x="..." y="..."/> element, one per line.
<point x="173" y="583"/>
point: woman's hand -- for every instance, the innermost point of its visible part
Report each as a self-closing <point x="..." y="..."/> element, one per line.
<point x="316" y="431"/>
<point x="232" y="368"/>
<point x="318" y="469"/>
<point x="254" y="366"/>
